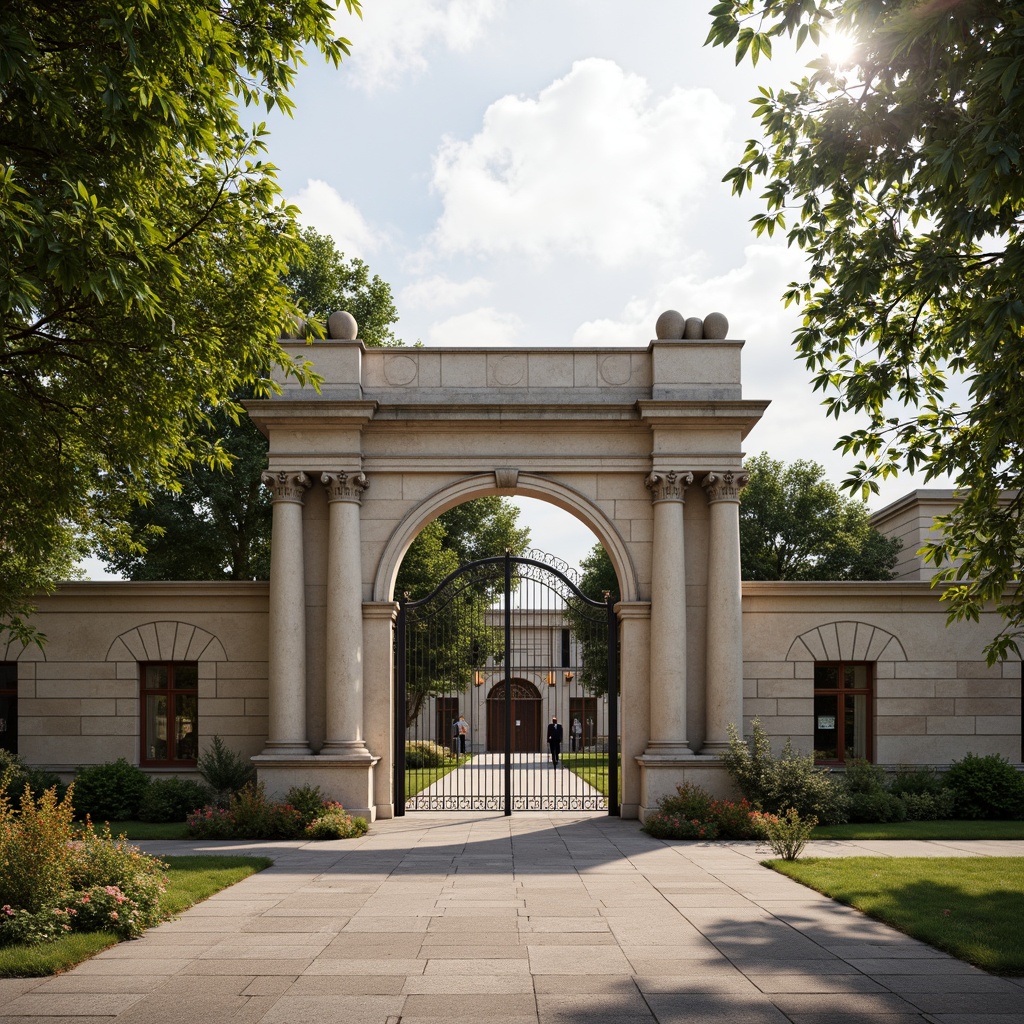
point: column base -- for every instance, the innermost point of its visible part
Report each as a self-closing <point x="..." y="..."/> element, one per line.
<point x="661" y="773"/>
<point x="349" y="781"/>
<point x="283" y="749"/>
<point x="715" y="748"/>
<point x="346" y="750"/>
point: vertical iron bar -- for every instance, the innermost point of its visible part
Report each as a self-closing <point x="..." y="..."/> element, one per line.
<point x="400" y="705"/>
<point x="508" y="683"/>
<point x="613" y="709"/>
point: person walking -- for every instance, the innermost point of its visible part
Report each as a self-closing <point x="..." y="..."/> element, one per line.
<point x="555" y="741"/>
<point x="463" y="727"/>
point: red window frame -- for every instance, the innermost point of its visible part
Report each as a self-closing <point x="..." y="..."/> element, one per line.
<point x="176" y="685"/>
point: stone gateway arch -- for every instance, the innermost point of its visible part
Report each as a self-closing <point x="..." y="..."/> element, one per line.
<point x="643" y="446"/>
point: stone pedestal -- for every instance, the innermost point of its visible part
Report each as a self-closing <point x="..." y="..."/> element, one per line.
<point x="343" y="779"/>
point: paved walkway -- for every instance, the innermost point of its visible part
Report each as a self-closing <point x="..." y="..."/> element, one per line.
<point x="536" y="785"/>
<point x="533" y="919"/>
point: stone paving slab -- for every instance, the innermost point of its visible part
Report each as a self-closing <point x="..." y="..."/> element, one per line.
<point x="533" y="919"/>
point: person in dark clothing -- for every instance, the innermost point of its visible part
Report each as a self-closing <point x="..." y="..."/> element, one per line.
<point x="555" y="741"/>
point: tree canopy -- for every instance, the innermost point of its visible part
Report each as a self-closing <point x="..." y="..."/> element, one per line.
<point x="142" y="251"/>
<point x="796" y="525"/>
<point x="596" y="579"/>
<point x="214" y="521"/>
<point x="898" y="171"/>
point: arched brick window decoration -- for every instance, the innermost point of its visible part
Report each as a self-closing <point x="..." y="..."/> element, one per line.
<point x="17" y="651"/>
<point x="846" y="641"/>
<point x="166" y="641"/>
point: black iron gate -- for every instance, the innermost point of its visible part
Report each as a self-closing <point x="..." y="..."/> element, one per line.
<point x="506" y="657"/>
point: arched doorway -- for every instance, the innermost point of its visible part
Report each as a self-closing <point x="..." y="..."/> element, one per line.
<point x="526" y="717"/>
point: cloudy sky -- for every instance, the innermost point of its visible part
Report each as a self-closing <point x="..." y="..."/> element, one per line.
<point x="549" y="173"/>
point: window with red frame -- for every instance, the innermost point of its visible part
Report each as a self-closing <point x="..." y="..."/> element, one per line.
<point x="170" y="713"/>
<point x="843" y="711"/>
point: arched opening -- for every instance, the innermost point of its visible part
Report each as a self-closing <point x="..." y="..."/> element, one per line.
<point x="526" y="718"/>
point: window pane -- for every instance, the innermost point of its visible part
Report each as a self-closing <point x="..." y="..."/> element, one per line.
<point x="156" y="727"/>
<point x="186" y="677"/>
<point x="186" y="727"/>
<point x="826" y="677"/>
<point x="826" y="733"/>
<point x="856" y="726"/>
<point x="855" y="677"/>
<point x="9" y="723"/>
<point x="8" y="675"/>
<point x="155" y="677"/>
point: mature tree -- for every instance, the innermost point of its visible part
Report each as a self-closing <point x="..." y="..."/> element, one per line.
<point x="142" y="248"/>
<point x="898" y="171"/>
<point x="444" y="651"/>
<point x="324" y="281"/>
<point x="795" y="525"/>
<point x="214" y="522"/>
<point x="597" y="579"/>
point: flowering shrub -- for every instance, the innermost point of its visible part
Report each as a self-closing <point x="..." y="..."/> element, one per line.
<point x="252" y="815"/>
<point x="694" y="806"/>
<point x="668" y="826"/>
<point x="786" y="834"/>
<point x="54" y="880"/>
<point x="334" y="823"/>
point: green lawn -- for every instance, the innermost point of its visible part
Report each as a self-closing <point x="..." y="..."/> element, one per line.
<point x="972" y="907"/>
<point x="417" y="779"/>
<point x="592" y="768"/>
<point x="189" y="880"/>
<point x="924" y="830"/>
<point x="138" y="830"/>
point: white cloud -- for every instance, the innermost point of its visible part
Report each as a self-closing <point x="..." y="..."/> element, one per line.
<point x="390" y="40"/>
<point x="592" y="166"/>
<point x="484" y="326"/>
<point x="321" y="207"/>
<point x="438" y="291"/>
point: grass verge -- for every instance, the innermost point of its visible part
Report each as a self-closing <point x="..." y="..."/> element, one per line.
<point x="972" y="907"/>
<point x="923" y="830"/>
<point x="189" y="880"/>
<point x="139" y="830"/>
<point x="592" y="768"/>
<point x="417" y="779"/>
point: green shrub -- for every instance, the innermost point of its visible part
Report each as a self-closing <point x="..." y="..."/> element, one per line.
<point x="786" y="834"/>
<point x="110" y="792"/>
<point x="666" y="826"/>
<point x="774" y="784"/>
<point x="985" y="787"/>
<point x="56" y="878"/>
<point x="690" y="801"/>
<point x="14" y="774"/>
<point x="224" y="770"/>
<point x="172" y="799"/>
<point x="915" y="780"/>
<point x="211" y="823"/>
<point x="335" y="823"/>
<point x="863" y="777"/>
<point x="427" y="754"/>
<point x="308" y="801"/>
<point x="878" y="806"/>
<point x="257" y="817"/>
<point x="929" y="806"/>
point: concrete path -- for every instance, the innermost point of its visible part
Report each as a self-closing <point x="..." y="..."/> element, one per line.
<point x="532" y="919"/>
<point x="537" y="785"/>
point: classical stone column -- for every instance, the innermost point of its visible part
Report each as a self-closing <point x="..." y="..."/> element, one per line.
<point x="725" y="613"/>
<point x="668" y="616"/>
<point x="286" y="729"/>
<point x="344" y="618"/>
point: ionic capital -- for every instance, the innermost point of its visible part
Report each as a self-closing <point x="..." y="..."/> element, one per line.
<point x="670" y="486"/>
<point x="724" y="486"/>
<point x="345" y="486"/>
<point x="286" y="485"/>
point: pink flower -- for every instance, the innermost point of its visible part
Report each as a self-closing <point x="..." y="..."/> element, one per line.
<point x="113" y="915"/>
<point x="6" y="908"/>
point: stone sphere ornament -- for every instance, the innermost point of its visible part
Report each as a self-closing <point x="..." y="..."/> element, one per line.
<point x="669" y="326"/>
<point x="716" y="326"/>
<point x="295" y="329"/>
<point x="342" y="326"/>
<point x="694" y="328"/>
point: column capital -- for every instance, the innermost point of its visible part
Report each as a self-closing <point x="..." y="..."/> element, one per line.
<point x="343" y="486"/>
<point x="670" y="486"/>
<point x="286" y="485"/>
<point x="724" y="486"/>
